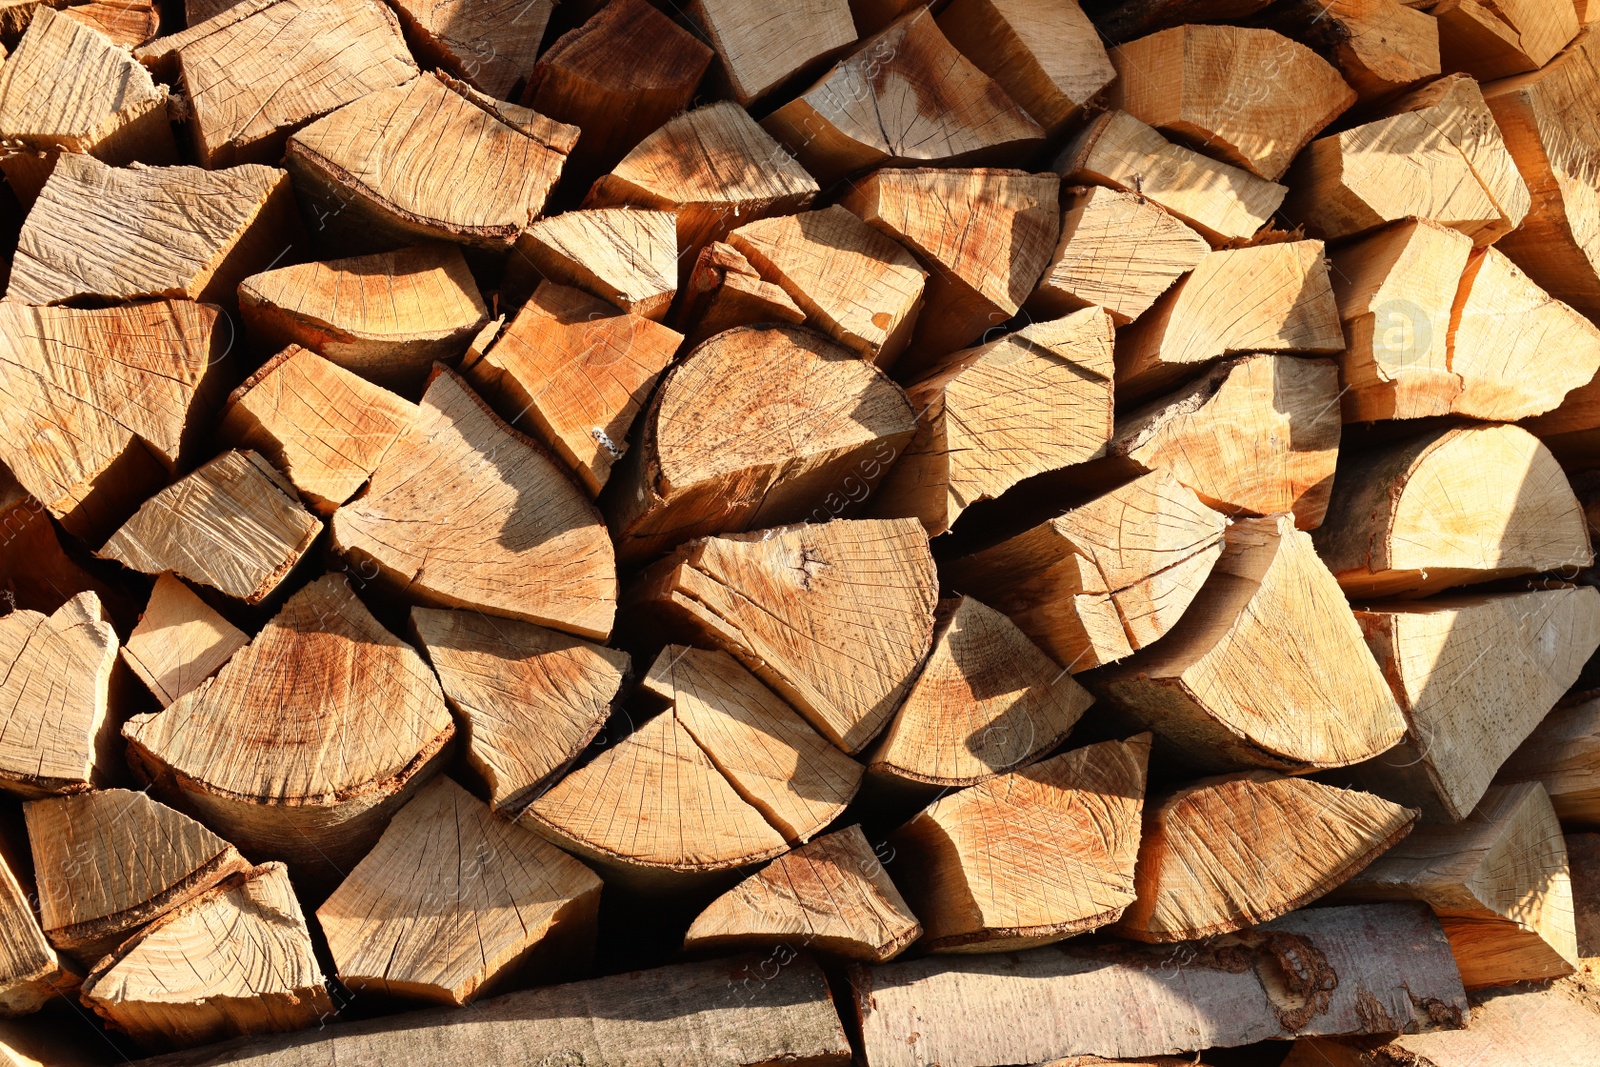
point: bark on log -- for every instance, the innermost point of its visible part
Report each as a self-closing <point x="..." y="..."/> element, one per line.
<point x="1563" y="754"/>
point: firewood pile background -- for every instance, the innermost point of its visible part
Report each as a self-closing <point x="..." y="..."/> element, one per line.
<point x="805" y="532"/>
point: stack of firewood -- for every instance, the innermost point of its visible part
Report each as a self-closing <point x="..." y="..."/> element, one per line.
<point x="978" y="533"/>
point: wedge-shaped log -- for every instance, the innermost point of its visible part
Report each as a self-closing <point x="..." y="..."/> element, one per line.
<point x="748" y="431"/>
<point x="1105" y="579"/>
<point x="1451" y="507"/>
<point x="763" y="47"/>
<point x="987" y="702"/>
<point x="452" y="900"/>
<point x="31" y="974"/>
<point x="1224" y="203"/>
<point x="490" y="46"/>
<point x="1497" y="40"/>
<point x="386" y="316"/>
<point x="1474" y="676"/>
<point x="1375" y="969"/>
<point x="989" y="417"/>
<point x="1563" y="754"/>
<point x="830" y="896"/>
<point x="785" y="601"/>
<point x="179" y="642"/>
<point x="529" y="699"/>
<point x="465" y="512"/>
<point x="267" y="770"/>
<point x="1381" y="47"/>
<point x="1266" y="669"/>
<point x="235" y="525"/>
<point x="724" y="292"/>
<point x="627" y="257"/>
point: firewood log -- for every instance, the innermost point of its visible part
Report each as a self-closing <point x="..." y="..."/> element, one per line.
<point x="1118" y="251"/>
<point x="66" y="88"/>
<point x="269" y="771"/>
<point x="1497" y="880"/>
<point x="1583" y="861"/>
<point x="465" y="512"/>
<point x="386" y="316"/>
<point x="1250" y="97"/>
<point x="1563" y="754"/>
<point x="235" y="960"/>
<point x="529" y="699"/>
<point x="1222" y="202"/>
<point x="1381" y="47"/>
<point x="1123" y="20"/>
<point x="760" y="48"/>
<point x="989" y="417"/>
<point x="904" y="97"/>
<point x="1227" y="853"/>
<point x="146" y="234"/>
<point x="1570" y="430"/>
<point x="987" y="701"/>
<point x="749" y="431"/>
<point x="829" y="896"/>
<point x="35" y="570"/>
<point x="1030" y="857"/>
<point x="1451" y="507"/>
<point x="31" y="974"/>
<point x="625" y="256"/>
<point x="1474" y="676"/>
<point x="785" y="601"/>
<point x="1355" y="970"/>
<point x="491" y="47"/>
<point x="1266" y="669"/>
<point x="129" y="23"/>
<point x="197" y="11"/>
<point x="574" y="373"/>
<point x="179" y="642"/>
<point x="451" y="901"/>
<point x="1491" y="41"/>
<point x="724" y="292"/>
<point x="260" y="69"/>
<point x="1105" y="579"/>
<point x="1268" y="298"/>
<point x="235" y="525"/>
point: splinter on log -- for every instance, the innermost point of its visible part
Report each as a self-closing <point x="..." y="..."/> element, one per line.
<point x="490" y="46"/>
<point x="31" y="974"/>
<point x="1563" y="754"/>
<point x="724" y="292"/>
<point x="627" y="257"/>
<point x="762" y="47"/>
<point x="179" y="642"/>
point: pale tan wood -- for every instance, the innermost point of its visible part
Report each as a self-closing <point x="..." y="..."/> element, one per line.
<point x="31" y="974"/>
<point x="529" y="699"/>
<point x="1030" y="857"/>
<point x="764" y="46"/>
<point x="1104" y="579"/>
<point x="1494" y="40"/>
<point x="452" y="901"/>
<point x="1266" y="669"/>
<point x="989" y="417"/>
<point x="574" y="373"/>
<point x="1224" y="203"/>
<point x="307" y="740"/>
<point x="465" y="512"/>
<point x="323" y="427"/>
<point x="747" y="431"/>
<point x="1570" y="430"/>
<point x="724" y="291"/>
<point x="1451" y="507"/>
<point x="490" y="46"/>
<point x="1381" y="47"/>
<point x="235" y="525"/>
<point x="129" y="23"/>
<point x="785" y="602"/>
<point x="1563" y="754"/>
<point x="179" y="642"/>
<point x="235" y="960"/>
<point x="388" y="316"/>
<point x="625" y="256"/>
<point x="831" y="896"/>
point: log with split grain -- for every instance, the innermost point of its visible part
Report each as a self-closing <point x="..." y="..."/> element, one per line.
<point x="1563" y="755"/>
<point x="724" y="291"/>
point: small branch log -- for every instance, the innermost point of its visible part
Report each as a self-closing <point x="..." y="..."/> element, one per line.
<point x="1497" y="40"/>
<point x="31" y="974"/>
<point x="1563" y="754"/>
<point x="626" y="257"/>
<point x="767" y="46"/>
<point x="1381" y="47"/>
<point x="725" y="292"/>
<point x="179" y="642"/>
<point x="490" y="46"/>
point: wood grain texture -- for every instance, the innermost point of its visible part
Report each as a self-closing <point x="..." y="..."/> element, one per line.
<point x="1563" y="754"/>
<point x="1381" y="47"/>
<point x="762" y="46"/>
<point x="724" y="291"/>
<point x="626" y="257"/>
<point x="1497" y="40"/>
<point x="491" y="47"/>
<point x="31" y="974"/>
<point x="179" y="642"/>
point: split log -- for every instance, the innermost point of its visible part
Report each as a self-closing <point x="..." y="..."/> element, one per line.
<point x="1474" y="676"/>
<point x="626" y="257"/>
<point x="388" y="317"/>
<point x="785" y="601"/>
<point x="36" y="572"/>
<point x="452" y="901"/>
<point x="260" y="69"/>
<point x="31" y="974"/>
<point x="574" y="374"/>
<point x="1126" y="19"/>
<point x="864" y="918"/>
<point x="853" y="283"/>
<point x="179" y="642"/>
<point x="491" y="47"/>
<point x="1357" y="970"/>
<point x="126" y="233"/>
<point x="235" y="960"/>
<point x="1222" y="202"/>
<point x="529" y="699"/>
<point x="904" y="97"/>
<point x="465" y="512"/>
<point x="986" y="702"/>
<point x="763" y="48"/>
<point x="1452" y="507"/>
<point x="724" y="292"/>
<point x="258" y="755"/>
<point x="324" y="428"/>
<point x="1031" y="857"/>
<point x="1572" y="430"/>
<point x="1267" y="298"/>
<point x="747" y="432"/>
<point x="1491" y="41"/>
<point x="109" y="862"/>
<point x="1563" y="754"/>
<point x="1250" y="97"/>
<point x="1118" y="251"/>
<point x="1228" y="853"/>
<point x="1105" y="579"/>
<point x="1266" y="669"/>
<point x="1381" y="47"/>
<point x="129" y="23"/>
<point x="1498" y="882"/>
<point x="235" y="525"/>
<point x="989" y="417"/>
<point x="197" y="11"/>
